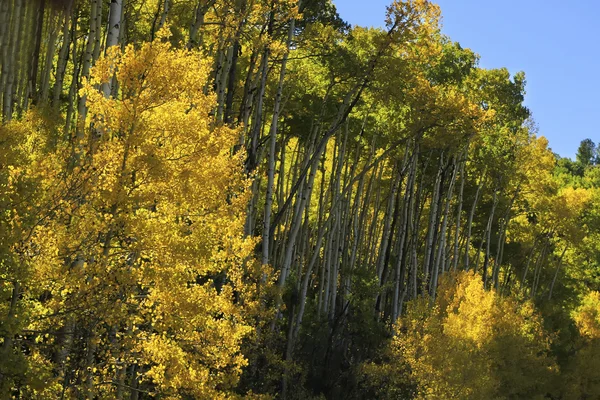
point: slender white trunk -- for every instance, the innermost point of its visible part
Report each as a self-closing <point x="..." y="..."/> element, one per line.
<point x="433" y="217"/>
<point x="272" y="142"/>
<point x="556" y="273"/>
<point x="385" y="237"/>
<point x="10" y="72"/>
<point x="488" y="239"/>
<point x="442" y="246"/>
<point x="63" y="58"/>
<point x="49" y="59"/>
<point x="400" y="264"/>
<point x="538" y="269"/>
<point x="529" y="256"/>
<point x="112" y="37"/>
<point x="458" y="216"/>
<point x="88" y="57"/>
<point x="470" y="221"/>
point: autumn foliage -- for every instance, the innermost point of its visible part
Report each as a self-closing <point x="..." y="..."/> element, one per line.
<point x="220" y="199"/>
<point x="131" y="243"/>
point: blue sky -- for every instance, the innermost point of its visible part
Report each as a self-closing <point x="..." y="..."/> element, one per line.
<point x="556" y="43"/>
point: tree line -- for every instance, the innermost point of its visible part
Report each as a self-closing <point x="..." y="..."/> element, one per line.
<point x="251" y="198"/>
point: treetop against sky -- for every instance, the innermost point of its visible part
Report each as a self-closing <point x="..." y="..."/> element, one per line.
<point x="555" y="46"/>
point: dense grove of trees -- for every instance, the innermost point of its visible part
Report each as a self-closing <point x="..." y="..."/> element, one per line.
<point x="248" y="198"/>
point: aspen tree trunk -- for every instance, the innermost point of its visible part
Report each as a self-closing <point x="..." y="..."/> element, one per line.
<point x="222" y="73"/>
<point x="64" y="341"/>
<point x="73" y="91"/>
<point x="195" y="38"/>
<point x="23" y="61"/>
<point x="359" y="241"/>
<point x="321" y="271"/>
<point x="115" y="17"/>
<point x="10" y="72"/>
<point x="91" y="346"/>
<point x="231" y="78"/>
<point x="252" y="160"/>
<point x="98" y="35"/>
<point x="165" y="13"/>
<point x="229" y="75"/>
<point x="488" y="231"/>
<point x="398" y="215"/>
<point x="500" y="258"/>
<point x="507" y="280"/>
<point x="281" y="229"/>
<point x="63" y="57"/>
<point x="5" y="19"/>
<point x="389" y="214"/>
<point x="470" y="221"/>
<point x="343" y="239"/>
<point x="49" y="59"/>
<point x="88" y="57"/>
<point x="400" y="263"/>
<point x="291" y="242"/>
<point x="252" y="149"/>
<point x="497" y="261"/>
<point x="370" y="252"/>
<point x="35" y="53"/>
<point x="330" y="279"/>
<point x="307" y="276"/>
<point x="121" y="375"/>
<point x="19" y="59"/>
<point x="275" y="249"/>
<point x="122" y="39"/>
<point x="441" y="247"/>
<point x="459" y="214"/>
<point x="247" y="98"/>
<point x="324" y="278"/>
<point x="363" y="237"/>
<point x="4" y="36"/>
<point x="272" y="142"/>
<point x="303" y="245"/>
<point x="501" y="240"/>
<point x="351" y="219"/>
<point x="284" y="228"/>
<point x="373" y="235"/>
<point x="357" y="222"/>
<point x="250" y="218"/>
<point x="326" y="282"/>
<point x="556" y="273"/>
<point x="391" y="243"/>
<point x="437" y="240"/>
<point x="413" y="226"/>
<point x="302" y="202"/>
<point x="433" y="219"/>
<point x="415" y="218"/>
<point x="479" y="250"/>
<point x="538" y="269"/>
<point x="339" y="230"/>
<point x="21" y="90"/>
<point x="529" y="256"/>
<point x="350" y="100"/>
<point x="112" y="37"/>
<point x="448" y="247"/>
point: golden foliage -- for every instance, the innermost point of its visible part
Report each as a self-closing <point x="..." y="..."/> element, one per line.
<point x="472" y="344"/>
<point x="142" y="253"/>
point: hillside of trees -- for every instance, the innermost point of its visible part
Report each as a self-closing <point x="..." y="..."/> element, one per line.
<point x="222" y="199"/>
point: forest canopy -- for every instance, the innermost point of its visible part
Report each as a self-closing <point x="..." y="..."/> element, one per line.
<point x="221" y="199"/>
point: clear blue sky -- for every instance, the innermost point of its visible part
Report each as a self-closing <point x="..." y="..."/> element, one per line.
<point x="556" y="43"/>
